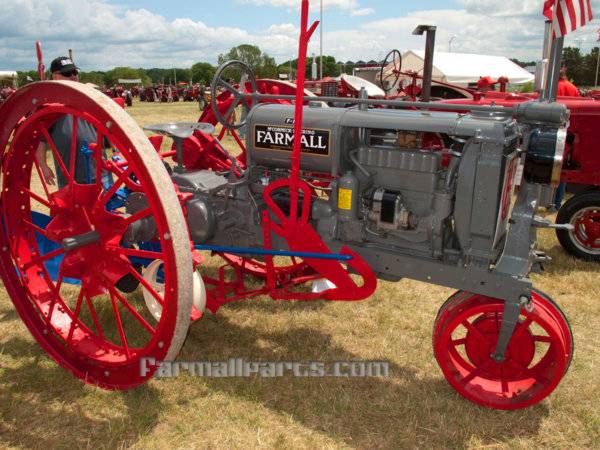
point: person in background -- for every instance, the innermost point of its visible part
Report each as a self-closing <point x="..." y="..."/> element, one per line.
<point x="485" y="84"/>
<point x="63" y="68"/>
<point x="565" y="87"/>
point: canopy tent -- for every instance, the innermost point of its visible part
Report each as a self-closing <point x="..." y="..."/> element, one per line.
<point x="8" y="75"/>
<point x="357" y="83"/>
<point x="464" y="68"/>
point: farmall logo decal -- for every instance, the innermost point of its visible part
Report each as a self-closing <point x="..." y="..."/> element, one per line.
<point x="271" y="137"/>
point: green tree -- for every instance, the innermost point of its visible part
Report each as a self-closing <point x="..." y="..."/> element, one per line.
<point x="262" y="64"/>
<point x="573" y="61"/>
<point x="111" y="77"/>
<point x="203" y="72"/>
<point x="92" y="77"/>
<point x="331" y="68"/>
<point x="26" y="77"/>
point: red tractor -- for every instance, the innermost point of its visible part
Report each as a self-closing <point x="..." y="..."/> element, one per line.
<point x="581" y="166"/>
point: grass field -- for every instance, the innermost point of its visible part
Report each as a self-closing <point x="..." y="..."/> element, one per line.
<point x="42" y="406"/>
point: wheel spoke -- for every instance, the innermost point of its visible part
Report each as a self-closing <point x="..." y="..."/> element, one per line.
<point x="477" y="372"/>
<point x="230" y="110"/>
<point x="137" y="216"/>
<point x="120" y="325"/>
<point x="99" y="157"/>
<point x="146" y="285"/>
<point x="57" y="156"/>
<point x="37" y="198"/>
<point x="132" y="310"/>
<point x="105" y="197"/>
<point x="541" y="338"/>
<point x="457" y="342"/>
<point x="469" y="326"/>
<point x="73" y="147"/>
<point x="75" y="317"/>
<point x="92" y="311"/>
<point x="522" y="326"/>
<point x="503" y="382"/>
<point x="37" y="229"/>
<point x="139" y="253"/>
<point x="42" y="258"/>
<point x="41" y="177"/>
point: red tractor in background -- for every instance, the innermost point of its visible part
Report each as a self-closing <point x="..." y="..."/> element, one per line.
<point x="581" y="166"/>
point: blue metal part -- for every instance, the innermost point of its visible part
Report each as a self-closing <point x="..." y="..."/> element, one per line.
<point x="263" y="251"/>
<point x="46" y="245"/>
<point x="85" y="150"/>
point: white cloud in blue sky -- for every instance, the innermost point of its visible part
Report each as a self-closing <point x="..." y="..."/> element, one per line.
<point x="154" y="33"/>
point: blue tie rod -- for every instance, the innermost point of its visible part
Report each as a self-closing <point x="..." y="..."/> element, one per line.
<point x="263" y="251"/>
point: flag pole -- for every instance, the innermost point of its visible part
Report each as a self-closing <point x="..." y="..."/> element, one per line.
<point x="597" y="60"/>
<point x="597" y="66"/>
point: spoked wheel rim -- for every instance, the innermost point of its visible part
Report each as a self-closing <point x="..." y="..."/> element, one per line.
<point x="538" y="355"/>
<point x="586" y="232"/>
<point x="236" y="93"/>
<point x="96" y="332"/>
<point x="392" y="57"/>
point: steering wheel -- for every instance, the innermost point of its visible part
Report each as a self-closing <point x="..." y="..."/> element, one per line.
<point x="235" y="89"/>
<point x="384" y="78"/>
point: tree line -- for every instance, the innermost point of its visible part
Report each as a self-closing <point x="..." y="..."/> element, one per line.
<point x="581" y="68"/>
<point x="263" y="65"/>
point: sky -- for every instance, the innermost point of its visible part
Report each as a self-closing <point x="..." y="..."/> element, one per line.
<point x="178" y="33"/>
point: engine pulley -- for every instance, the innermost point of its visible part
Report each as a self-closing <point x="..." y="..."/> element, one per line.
<point x="543" y="163"/>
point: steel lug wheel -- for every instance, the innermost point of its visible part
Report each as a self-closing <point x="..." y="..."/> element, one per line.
<point x="538" y="355"/>
<point x="90" y="328"/>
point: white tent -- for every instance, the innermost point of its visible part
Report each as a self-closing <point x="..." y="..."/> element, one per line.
<point x="464" y="68"/>
<point x="357" y="83"/>
<point x="8" y="75"/>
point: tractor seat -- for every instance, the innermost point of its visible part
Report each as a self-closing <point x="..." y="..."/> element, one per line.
<point x="180" y="130"/>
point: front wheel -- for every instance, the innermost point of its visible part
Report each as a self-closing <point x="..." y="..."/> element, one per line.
<point x="465" y="334"/>
<point x="583" y="212"/>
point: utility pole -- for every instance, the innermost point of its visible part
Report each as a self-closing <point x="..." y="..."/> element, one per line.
<point x="450" y="43"/>
<point x="597" y="66"/>
<point x="321" y="58"/>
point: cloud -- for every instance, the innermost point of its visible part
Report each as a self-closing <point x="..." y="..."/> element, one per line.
<point x="104" y="36"/>
<point x="351" y="6"/>
<point x="362" y="12"/>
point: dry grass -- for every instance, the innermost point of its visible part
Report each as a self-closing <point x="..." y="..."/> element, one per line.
<point x="42" y="406"/>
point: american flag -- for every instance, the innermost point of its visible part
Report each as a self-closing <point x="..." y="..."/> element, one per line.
<point x="567" y="15"/>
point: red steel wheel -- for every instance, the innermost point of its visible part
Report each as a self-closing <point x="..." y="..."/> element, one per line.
<point x="538" y="355"/>
<point x="93" y="330"/>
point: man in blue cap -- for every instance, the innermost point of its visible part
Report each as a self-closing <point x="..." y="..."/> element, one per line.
<point x="61" y="132"/>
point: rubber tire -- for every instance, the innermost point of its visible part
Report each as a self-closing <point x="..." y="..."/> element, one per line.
<point x="565" y="214"/>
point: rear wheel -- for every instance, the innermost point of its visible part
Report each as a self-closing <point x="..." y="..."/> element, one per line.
<point x="583" y="212"/>
<point x="89" y="327"/>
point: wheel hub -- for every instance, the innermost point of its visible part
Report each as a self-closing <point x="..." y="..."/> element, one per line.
<point x="587" y="228"/>
<point x="74" y="213"/>
<point x="519" y="354"/>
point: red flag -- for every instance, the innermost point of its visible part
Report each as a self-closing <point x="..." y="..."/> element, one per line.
<point x="567" y="15"/>
<point x="548" y="4"/>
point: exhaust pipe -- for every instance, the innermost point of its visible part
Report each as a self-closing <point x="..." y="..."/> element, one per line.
<point x="429" y="31"/>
